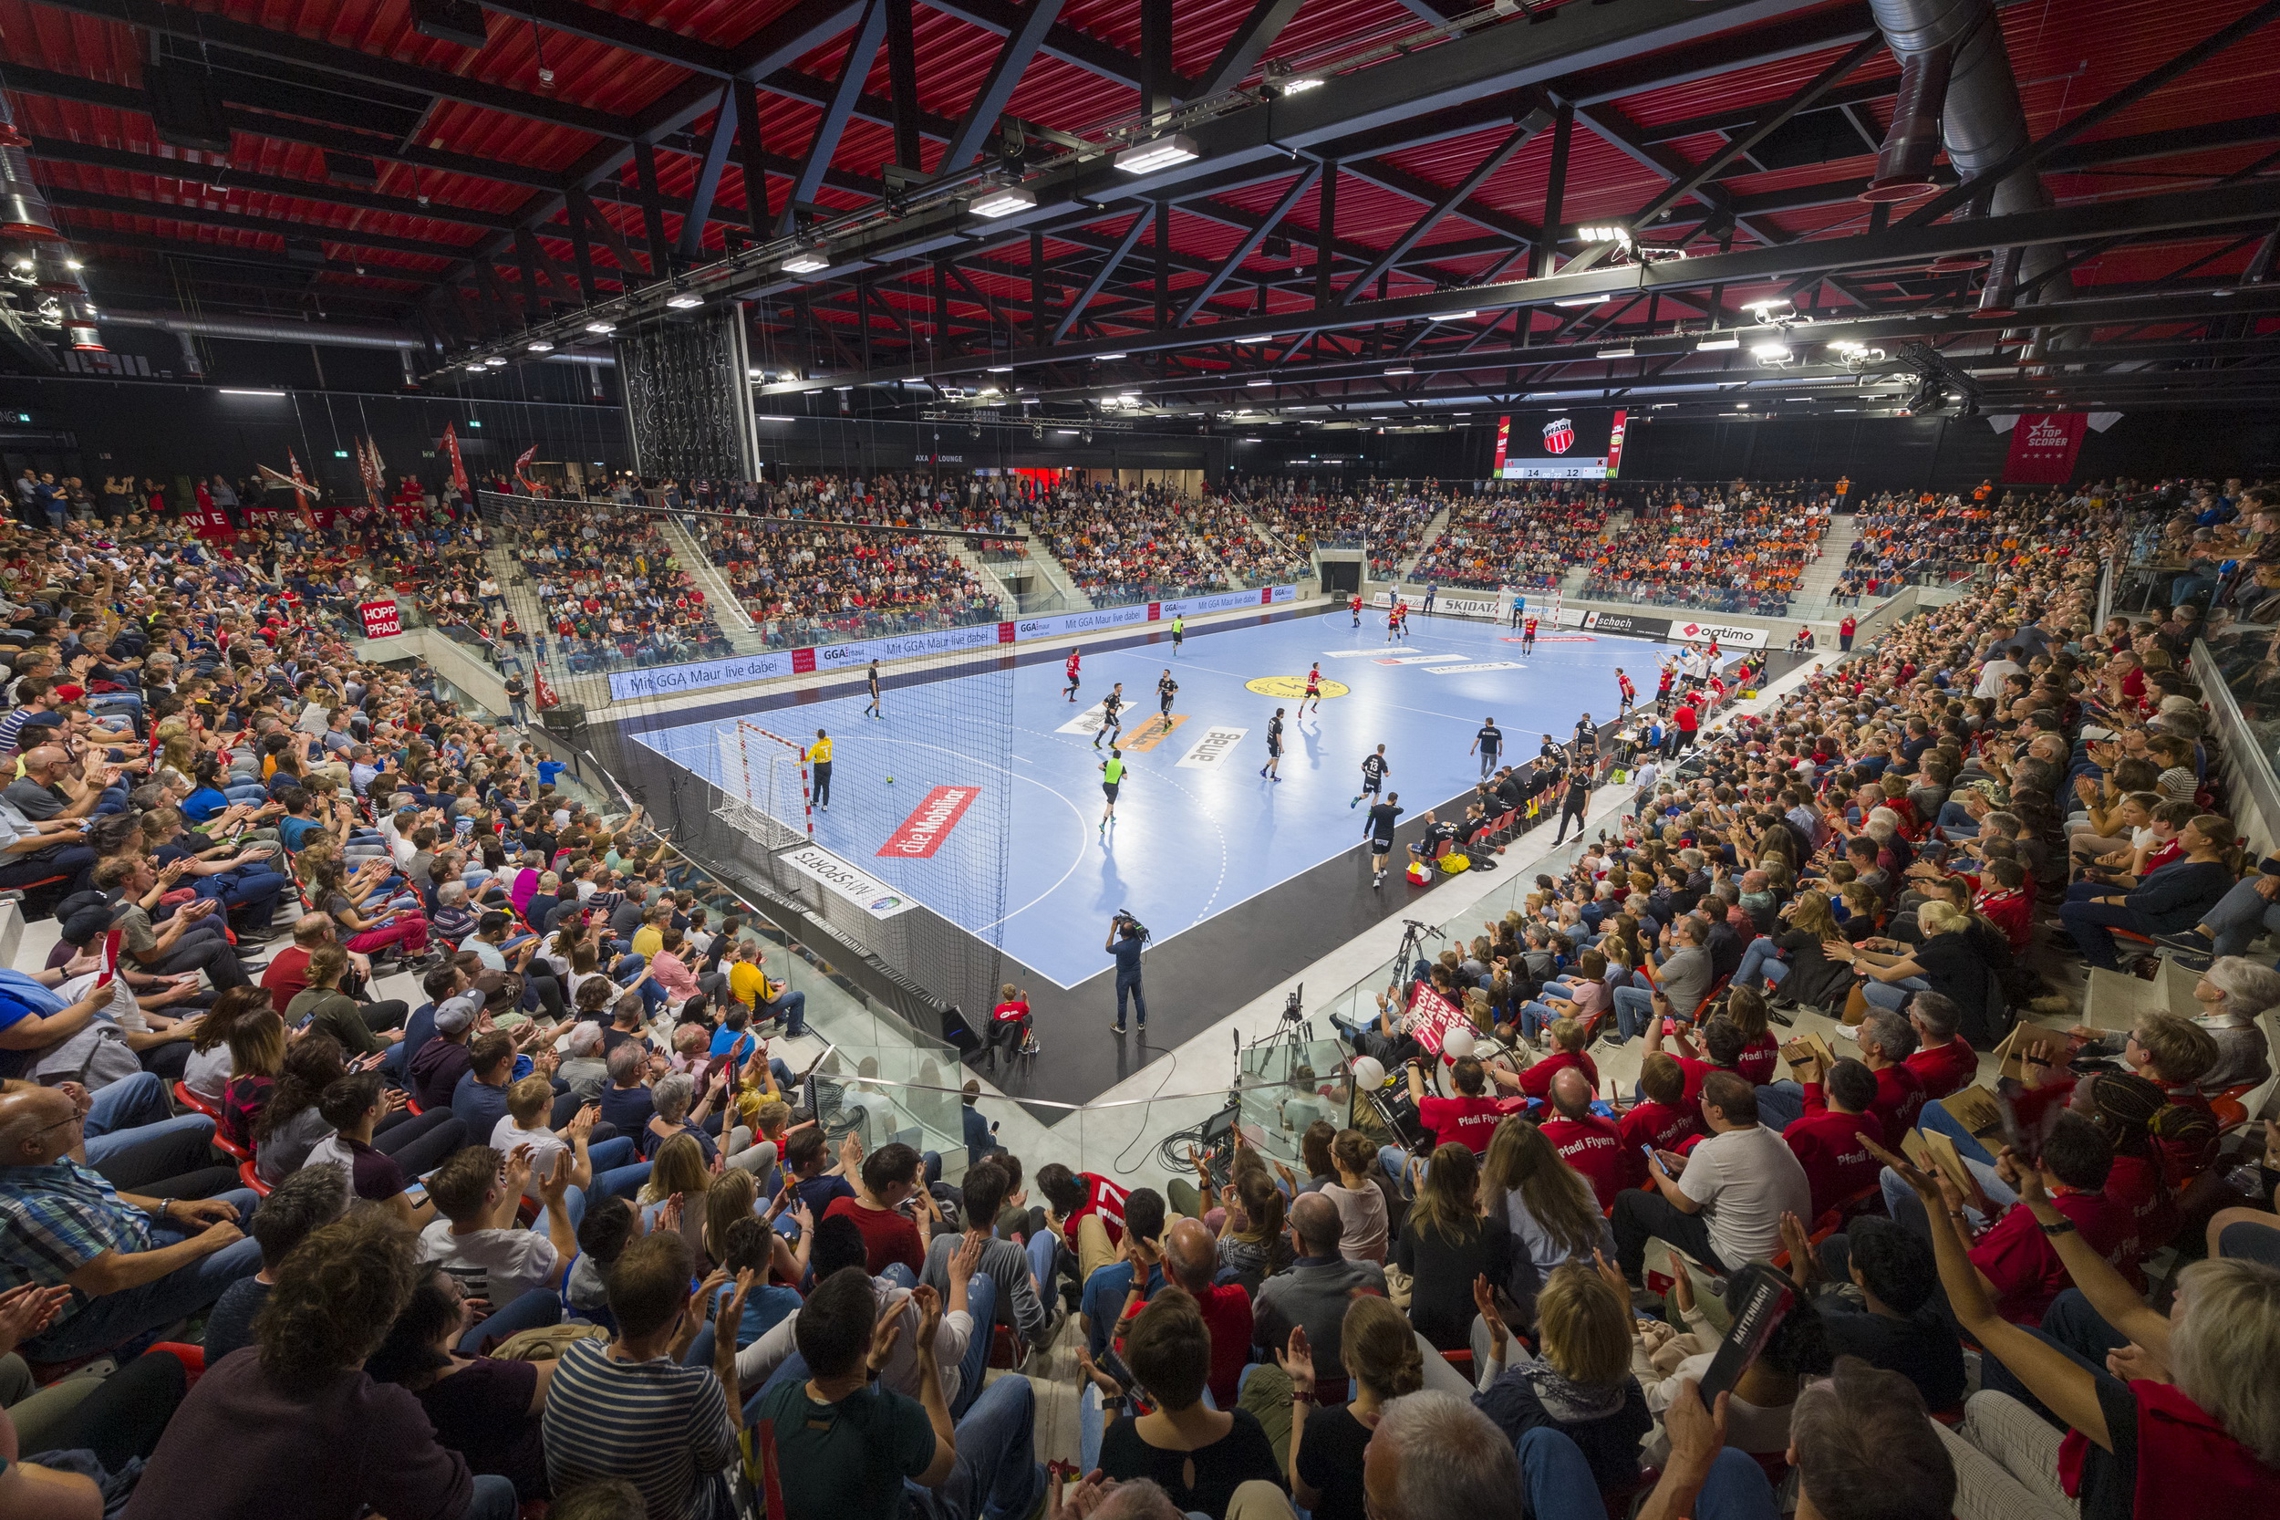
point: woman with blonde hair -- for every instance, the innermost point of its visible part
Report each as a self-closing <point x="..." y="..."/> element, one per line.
<point x="1548" y="1205"/>
<point x="1579" y="1383"/>
<point x="1382" y="1358"/>
<point x="1446" y="1242"/>
<point x="678" y="1180"/>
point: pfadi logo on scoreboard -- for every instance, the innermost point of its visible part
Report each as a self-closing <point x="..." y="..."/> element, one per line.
<point x="1559" y="435"/>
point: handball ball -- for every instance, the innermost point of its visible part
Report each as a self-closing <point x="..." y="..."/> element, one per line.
<point x="890" y="781"/>
<point x="1459" y="1044"/>
<point x="1369" y="1073"/>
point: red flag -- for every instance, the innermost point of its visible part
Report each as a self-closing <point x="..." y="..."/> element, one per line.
<point x="2043" y="448"/>
<point x="529" y="485"/>
<point x="458" y="469"/>
<point x="543" y="690"/>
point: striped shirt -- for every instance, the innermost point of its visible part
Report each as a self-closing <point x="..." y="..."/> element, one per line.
<point x="661" y="1426"/>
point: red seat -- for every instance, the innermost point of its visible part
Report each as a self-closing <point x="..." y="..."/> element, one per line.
<point x="252" y="1178"/>
<point x="229" y="1147"/>
<point x="412" y="1106"/>
<point x="190" y="1100"/>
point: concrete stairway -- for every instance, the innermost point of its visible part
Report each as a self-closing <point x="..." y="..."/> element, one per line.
<point x="992" y="582"/>
<point x="1821" y="575"/>
<point x="1055" y="577"/>
<point x="1433" y="532"/>
<point x="522" y="601"/>
<point x="744" y="635"/>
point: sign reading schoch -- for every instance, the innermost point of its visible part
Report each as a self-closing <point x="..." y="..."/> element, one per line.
<point x="666" y="680"/>
<point x="858" y="886"/>
<point x="1626" y="622"/>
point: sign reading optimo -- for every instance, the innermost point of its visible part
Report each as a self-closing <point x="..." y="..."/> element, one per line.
<point x="666" y="680"/>
<point x="1736" y="634"/>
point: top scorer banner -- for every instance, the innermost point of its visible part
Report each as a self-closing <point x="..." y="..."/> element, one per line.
<point x="1560" y="445"/>
<point x="2043" y="448"/>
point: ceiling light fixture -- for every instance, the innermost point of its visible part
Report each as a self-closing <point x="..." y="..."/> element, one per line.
<point x="1609" y="233"/>
<point x="1260" y="380"/>
<point x="1004" y="201"/>
<point x="1715" y="345"/>
<point x="684" y="301"/>
<point x="1001" y="369"/>
<point x="1771" y="353"/>
<point x="1625" y="352"/>
<point x="1581" y="301"/>
<point x="1157" y="153"/>
<point x="273" y="395"/>
<point x="1402" y="369"/>
<point x="541" y="346"/>
<point x="1454" y="316"/>
<point x="602" y="329"/>
<point x="806" y="261"/>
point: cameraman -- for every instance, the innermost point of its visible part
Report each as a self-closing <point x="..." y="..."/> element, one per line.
<point x="1125" y="937"/>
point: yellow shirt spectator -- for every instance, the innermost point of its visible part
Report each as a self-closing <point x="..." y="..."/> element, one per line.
<point x="747" y="981"/>
<point x="648" y="940"/>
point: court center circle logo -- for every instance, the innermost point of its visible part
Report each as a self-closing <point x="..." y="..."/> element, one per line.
<point x="1294" y="687"/>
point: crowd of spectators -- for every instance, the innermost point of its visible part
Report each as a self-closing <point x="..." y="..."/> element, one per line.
<point x="1524" y="540"/>
<point x="1124" y="544"/>
<point x="561" y="1228"/>
<point x="808" y="584"/>
<point x="1736" y="548"/>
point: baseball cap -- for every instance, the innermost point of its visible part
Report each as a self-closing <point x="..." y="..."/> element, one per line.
<point x="453" y="1016"/>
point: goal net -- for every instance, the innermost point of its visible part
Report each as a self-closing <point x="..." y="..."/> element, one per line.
<point x="765" y="782"/>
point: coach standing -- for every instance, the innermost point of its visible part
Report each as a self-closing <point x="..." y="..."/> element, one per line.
<point x="1576" y="803"/>
<point x="819" y="756"/>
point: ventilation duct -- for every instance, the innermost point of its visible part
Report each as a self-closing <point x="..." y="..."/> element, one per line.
<point x="1912" y="142"/>
<point x="24" y="208"/>
<point x="1981" y="122"/>
<point x="254" y="330"/>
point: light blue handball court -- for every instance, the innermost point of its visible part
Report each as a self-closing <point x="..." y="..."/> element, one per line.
<point x="1197" y="830"/>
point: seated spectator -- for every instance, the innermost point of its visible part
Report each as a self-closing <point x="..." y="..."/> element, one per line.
<point x="1894" y="1321"/>
<point x="1196" y="1454"/>
<point x="1447" y="1243"/>
<point x="302" y="1203"/>
<point x="1115" y="1289"/>
<point x="1943" y="1061"/>
<point x="1591" y="1144"/>
<point x="2128" y="1439"/>
<point x="1434" y="1455"/>
<point x="1579" y="1382"/>
<point x="1381" y="1353"/>
<point x="630" y="1409"/>
<point x="1548" y="1206"/>
<point x="352" y="1105"/>
<point x="983" y="1193"/>
<point x="1361" y="1206"/>
<point x="516" y="1271"/>
<point x="596" y="1166"/>
<point x="1826" y="1138"/>
<point x="855" y="1449"/>
<point x="135" y="1264"/>
<point x="291" y="1426"/>
<point x="1314" y="1290"/>
<point x="487" y="1409"/>
<point x="890" y="1175"/>
<point x="1722" y="1202"/>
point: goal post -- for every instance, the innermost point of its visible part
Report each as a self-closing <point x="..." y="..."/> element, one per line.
<point x="765" y="777"/>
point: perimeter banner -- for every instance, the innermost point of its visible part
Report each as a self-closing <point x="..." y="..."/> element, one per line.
<point x="666" y="680"/>
<point x="922" y="833"/>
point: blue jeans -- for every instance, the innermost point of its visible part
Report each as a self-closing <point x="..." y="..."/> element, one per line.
<point x="494" y="1499"/>
<point x="128" y="1103"/>
<point x="1129" y="987"/>
<point x="981" y="1303"/>
<point x="1633" y="1007"/>
<point x="791" y="1007"/>
<point x="1955" y="822"/>
<point x="1936" y="1117"/>
<point x="1759" y="956"/>
<point x="626" y="970"/>
<point x="1901" y="1202"/>
<point x="2239" y="917"/>
<point x="116" y="1318"/>
<point x="1044" y="1263"/>
<point x="1892" y="996"/>
<point x="998" y="1474"/>
<point x="1780" y="1104"/>
<point x="1559" y="1485"/>
<point x="534" y="1310"/>
<point x="2089" y="922"/>
<point x="617" y="1174"/>
<point x="253" y="887"/>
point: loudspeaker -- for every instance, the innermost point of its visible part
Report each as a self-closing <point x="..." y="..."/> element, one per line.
<point x="567" y="721"/>
<point x="186" y="107"/>
<point x="459" y="21"/>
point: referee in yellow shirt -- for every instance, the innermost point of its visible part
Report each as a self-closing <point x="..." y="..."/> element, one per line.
<point x="819" y="756"/>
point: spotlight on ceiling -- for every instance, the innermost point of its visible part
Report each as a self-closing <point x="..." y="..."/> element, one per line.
<point x="1157" y="153"/>
<point x="540" y="346"/>
<point x="1611" y="232"/>
<point x="601" y="329"/>
<point x="1004" y="201"/>
<point x="684" y="301"/>
<point x="1771" y="353"/>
